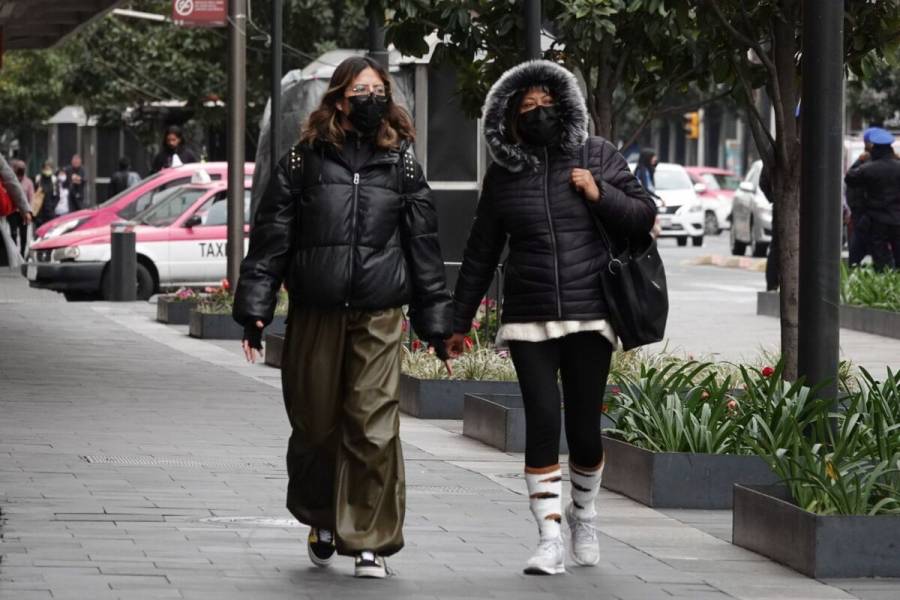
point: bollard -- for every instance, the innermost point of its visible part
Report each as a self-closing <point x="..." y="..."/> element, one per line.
<point x="123" y="263"/>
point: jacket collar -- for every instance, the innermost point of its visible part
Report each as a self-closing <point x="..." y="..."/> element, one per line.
<point x="572" y="110"/>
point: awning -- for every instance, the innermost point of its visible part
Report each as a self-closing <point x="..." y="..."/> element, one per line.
<point x="32" y="24"/>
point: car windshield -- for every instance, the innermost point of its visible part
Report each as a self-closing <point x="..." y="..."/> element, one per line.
<point x="131" y="189"/>
<point x="167" y="211"/>
<point x="720" y="181"/>
<point x="672" y="179"/>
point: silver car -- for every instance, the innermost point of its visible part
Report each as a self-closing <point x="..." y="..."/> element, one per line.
<point x="751" y="216"/>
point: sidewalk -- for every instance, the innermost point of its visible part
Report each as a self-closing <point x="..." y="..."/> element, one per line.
<point x="136" y="462"/>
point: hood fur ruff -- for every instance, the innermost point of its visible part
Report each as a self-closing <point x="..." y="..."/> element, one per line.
<point x="569" y="101"/>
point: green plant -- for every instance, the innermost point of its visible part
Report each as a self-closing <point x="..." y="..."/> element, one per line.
<point x="220" y="301"/>
<point x="864" y="286"/>
<point x="484" y="364"/>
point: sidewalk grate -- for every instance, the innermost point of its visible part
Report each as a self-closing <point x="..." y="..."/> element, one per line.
<point x="178" y="461"/>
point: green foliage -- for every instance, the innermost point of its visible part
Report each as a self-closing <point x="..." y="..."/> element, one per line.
<point x="480" y="364"/>
<point x="31" y="89"/>
<point x="864" y="286"/>
<point x="220" y="301"/>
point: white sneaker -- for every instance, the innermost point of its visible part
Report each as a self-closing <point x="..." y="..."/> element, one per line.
<point x="548" y="559"/>
<point x="584" y="544"/>
<point x="370" y="566"/>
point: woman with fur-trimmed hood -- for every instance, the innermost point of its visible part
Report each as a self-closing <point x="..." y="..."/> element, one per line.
<point x="538" y="196"/>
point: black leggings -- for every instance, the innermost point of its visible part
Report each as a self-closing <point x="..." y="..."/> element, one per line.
<point x="582" y="359"/>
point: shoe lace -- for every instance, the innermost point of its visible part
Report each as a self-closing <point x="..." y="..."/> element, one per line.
<point x="548" y="548"/>
<point x="585" y="531"/>
<point x="325" y="536"/>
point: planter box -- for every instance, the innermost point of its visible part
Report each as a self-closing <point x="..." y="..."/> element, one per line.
<point x="274" y="348"/>
<point x="857" y="318"/>
<point x="174" y="312"/>
<point x="443" y="398"/>
<point x="679" y="479"/>
<point x="767" y="522"/>
<point x="222" y="327"/>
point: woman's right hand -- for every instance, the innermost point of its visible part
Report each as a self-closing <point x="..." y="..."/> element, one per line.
<point x="252" y="342"/>
<point x="456" y="344"/>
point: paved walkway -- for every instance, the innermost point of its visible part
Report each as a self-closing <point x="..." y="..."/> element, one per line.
<point x="136" y="462"/>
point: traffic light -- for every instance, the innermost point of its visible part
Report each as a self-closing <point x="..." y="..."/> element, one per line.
<point x="692" y="125"/>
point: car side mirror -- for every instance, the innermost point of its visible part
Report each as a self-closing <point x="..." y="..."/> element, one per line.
<point x="746" y="186"/>
<point x="700" y="188"/>
<point x="193" y="221"/>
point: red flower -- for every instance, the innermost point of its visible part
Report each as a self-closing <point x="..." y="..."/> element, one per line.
<point x="225" y="285"/>
<point x="615" y="391"/>
<point x="767" y="371"/>
<point x="476" y="325"/>
<point x="467" y="341"/>
<point x="604" y="408"/>
<point x="416" y="345"/>
<point x="704" y="395"/>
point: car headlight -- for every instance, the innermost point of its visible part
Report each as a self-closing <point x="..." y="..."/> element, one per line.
<point x="689" y="208"/>
<point x="67" y="253"/>
<point x="64" y="228"/>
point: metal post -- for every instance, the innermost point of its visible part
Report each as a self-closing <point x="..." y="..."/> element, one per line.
<point x="122" y="263"/>
<point x="820" y="193"/>
<point x="277" y="47"/>
<point x="532" y="29"/>
<point x="377" y="51"/>
<point x="237" y="101"/>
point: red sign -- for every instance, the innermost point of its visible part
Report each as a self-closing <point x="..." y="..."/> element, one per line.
<point x="200" y="13"/>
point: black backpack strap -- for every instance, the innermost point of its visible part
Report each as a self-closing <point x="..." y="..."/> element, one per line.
<point x="406" y="170"/>
<point x="295" y="170"/>
<point x="586" y="154"/>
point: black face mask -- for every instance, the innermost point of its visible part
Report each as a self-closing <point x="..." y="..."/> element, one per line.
<point x="366" y="112"/>
<point x="540" y="126"/>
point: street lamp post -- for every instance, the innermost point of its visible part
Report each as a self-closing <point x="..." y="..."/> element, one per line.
<point x="237" y="116"/>
<point x="821" y="115"/>
<point x="377" y="50"/>
<point x="532" y="29"/>
<point x="275" y="108"/>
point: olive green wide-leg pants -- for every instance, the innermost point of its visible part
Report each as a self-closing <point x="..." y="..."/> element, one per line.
<point x="340" y="374"/>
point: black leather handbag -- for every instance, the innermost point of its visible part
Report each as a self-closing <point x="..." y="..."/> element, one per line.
<point x="634" y="285"/>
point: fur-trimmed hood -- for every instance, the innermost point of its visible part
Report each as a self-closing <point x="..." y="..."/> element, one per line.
<point x="569" y="100"/>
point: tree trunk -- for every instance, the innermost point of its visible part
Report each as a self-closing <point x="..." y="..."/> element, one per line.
<point x="787" y="233"/>
<point x="602" y="113"/>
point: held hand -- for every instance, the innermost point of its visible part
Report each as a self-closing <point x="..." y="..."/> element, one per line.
<point x="584" y="182"/>
<point x="252" y="342"/>
<point x="456" y="344"/>
<point x="28" y="217"/>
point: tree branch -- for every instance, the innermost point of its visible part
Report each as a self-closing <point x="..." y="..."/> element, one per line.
<point x="741" y="37"/>
<point x="757" y="126"/>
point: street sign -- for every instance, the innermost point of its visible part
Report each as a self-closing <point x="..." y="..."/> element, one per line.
<point x="200" y="13"/>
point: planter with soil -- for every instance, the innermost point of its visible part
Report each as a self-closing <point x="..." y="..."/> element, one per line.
<point x="443" y="398"/>
<point x="173" y="311"/>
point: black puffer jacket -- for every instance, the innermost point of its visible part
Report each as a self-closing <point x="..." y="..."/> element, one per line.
<point x="346" y="238"/>
<point x="555" y="251"/>
<point x="875" y="184"/>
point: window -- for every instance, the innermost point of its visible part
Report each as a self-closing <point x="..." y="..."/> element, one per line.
<point x="151" y="198"/>
<point x="214" y="211"/>
<point x="672" y="179"/>
<point x="167" y="211"/>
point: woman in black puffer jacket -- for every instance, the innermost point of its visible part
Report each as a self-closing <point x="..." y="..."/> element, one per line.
<point x="537" y="197"/>
<point x="349" y="224"/>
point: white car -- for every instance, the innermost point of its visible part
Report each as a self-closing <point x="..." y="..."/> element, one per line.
<point x="751" y="216"/>
<point x="680" y="207"/>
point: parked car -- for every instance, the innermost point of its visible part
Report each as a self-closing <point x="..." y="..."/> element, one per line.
<point x="180" y="241"/>
<point x="751" y="216"/>
<point x="716" y="188"/>
<point x="130" y="202"/>
<point x="680" y="208"/>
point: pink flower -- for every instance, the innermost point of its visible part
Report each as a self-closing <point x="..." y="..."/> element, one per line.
<point x="469" y="344"/>
<point x="704" y="395"/>
<point x="476" y="325"/>
<point x="732" y="405"/>
<point x="225" y="285"/>
<point x="615" y="391"/>
<point x="503" y="354"/>
<point x="767" y="372"/>
<point x="404" y="327"/>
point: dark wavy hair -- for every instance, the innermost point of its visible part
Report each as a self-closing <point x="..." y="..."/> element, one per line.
<point x="324" y="123"/>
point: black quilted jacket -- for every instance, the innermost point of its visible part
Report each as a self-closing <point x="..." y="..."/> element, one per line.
<point x="344" y="238"/>
<point x="555" y="252"/>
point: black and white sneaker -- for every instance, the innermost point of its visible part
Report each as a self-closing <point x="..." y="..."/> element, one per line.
<point x="320" y="546"/>
<point x="369" y="565"/>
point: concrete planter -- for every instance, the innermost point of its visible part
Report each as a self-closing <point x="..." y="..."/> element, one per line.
<point x="679" y="479"/>
<point x="857" y="318"/>
<point x="274" y="348"/>
<point x="766" y="521"/>
<point x="222" y="327"/>
<point x="443" y="398"/>
<point x="174" y="312"/>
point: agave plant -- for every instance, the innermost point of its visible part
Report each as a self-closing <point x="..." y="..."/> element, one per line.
<point x="864" y="286"/>
<point x="484" y="364"/>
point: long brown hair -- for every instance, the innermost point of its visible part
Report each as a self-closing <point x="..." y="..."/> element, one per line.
<point x="324" y="123"/>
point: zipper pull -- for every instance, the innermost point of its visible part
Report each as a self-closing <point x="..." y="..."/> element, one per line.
<point x="356" y="179"/>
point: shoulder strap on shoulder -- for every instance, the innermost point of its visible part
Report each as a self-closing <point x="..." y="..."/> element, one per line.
<point x="586" y="153"/>
<point x="406" y="170"/>
<point x="295" y="169"/>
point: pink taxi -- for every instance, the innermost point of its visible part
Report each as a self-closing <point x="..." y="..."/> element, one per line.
<point x="180" y="241"/>
<point x="127" y="204"/>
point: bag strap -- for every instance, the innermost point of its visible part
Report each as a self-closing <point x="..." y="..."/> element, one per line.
<point x="586" y="164"/>
<point x="406" y="169"/>
<point x="295" y="170"/>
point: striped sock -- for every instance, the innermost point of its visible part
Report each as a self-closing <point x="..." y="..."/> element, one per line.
<point x="544" y="491"/>
<point x="585" y="486"/>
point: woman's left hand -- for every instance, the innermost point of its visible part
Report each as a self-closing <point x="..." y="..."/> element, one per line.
<point x="584" y="182"/>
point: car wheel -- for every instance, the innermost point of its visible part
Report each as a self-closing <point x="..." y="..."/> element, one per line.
<point x="146" y="286"/>
<point x="697" y="241"/>
<point x="738" y="248"/>
<point x="682" y="241"/>
<point x="711" y="224"/>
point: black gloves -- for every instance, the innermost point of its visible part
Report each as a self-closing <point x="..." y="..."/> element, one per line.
<point x="253" y="335"/>
<point x="440" y="348"/>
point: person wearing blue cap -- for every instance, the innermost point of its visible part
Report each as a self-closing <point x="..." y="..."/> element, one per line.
<point x="873" y="185"/>
<point x="858" y="246"/>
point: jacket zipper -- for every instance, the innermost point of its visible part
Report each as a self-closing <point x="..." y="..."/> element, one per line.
<point x="552" y="231"/>
<point x="352" y="238"/>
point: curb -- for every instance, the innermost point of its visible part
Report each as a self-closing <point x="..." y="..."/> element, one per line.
<point x="730" y="262"/>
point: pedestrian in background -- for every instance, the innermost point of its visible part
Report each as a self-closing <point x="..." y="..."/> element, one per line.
<point x="858" y="248"/>
<point x="878" y="181"/>
<point x="538" y="195"/>
<point x="349" y="223"/>
<point x="174" y="151"/>
<point x="19" y="224"/>
<point x="646" y="170"/>
<point x="12" y="199"/>
<point x="48" y="187"/>
<point x="123" y="178"/>
<point x="76" y="184"/>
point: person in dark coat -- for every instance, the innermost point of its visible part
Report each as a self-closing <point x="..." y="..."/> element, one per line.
<point x="49" y="185"/>
<point x="537" y="197"/>
<point x="123" y="178"/>
<point x="646" y="170"/>
<point x="877" y="181"/>
<point x="349" y="223"/>
<point x="76" y="183"/>
<point x="858" y="247"/>
<point x="174" y="152"/>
